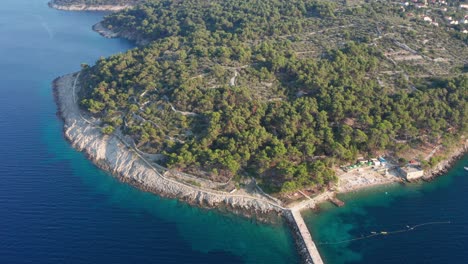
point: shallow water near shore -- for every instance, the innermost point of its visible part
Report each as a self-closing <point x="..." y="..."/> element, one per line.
<point x="394" y="207"/>
<point x="56" y="206"/>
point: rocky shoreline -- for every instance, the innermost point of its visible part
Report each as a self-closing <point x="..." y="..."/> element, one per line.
<point x="107" y="33"/>
<point x="112" y="154"/>
<point x="445" y="165"/>
<point x="113" y="8"/>
<point x="99" y="27"/>
<point x="103" y="31"/>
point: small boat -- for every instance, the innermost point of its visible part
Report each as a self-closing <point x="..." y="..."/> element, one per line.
<point x="384" y="233"/>
<point x="373" y="232"/>
<point x="466" y="168"/>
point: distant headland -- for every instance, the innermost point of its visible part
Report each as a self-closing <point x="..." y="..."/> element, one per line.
<point x="81" y="5"/>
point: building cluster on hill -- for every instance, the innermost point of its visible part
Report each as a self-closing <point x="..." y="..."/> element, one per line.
<point x="451" y="14"/>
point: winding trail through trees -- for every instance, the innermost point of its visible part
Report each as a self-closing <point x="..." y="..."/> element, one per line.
<point x="151" y="166"/>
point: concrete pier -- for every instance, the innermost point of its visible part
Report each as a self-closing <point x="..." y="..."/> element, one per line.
<point x="306" y="246"/>
<point x="309" y="252"/>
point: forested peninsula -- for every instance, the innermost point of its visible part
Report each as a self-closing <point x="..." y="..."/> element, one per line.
<point x="282" y="91"/>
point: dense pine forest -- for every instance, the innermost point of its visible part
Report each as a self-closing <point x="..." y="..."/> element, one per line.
<point x="278" y="90"/>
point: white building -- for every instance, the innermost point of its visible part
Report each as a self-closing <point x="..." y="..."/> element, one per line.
<point x="412" y="172"/>
<point x="376" y="162"/>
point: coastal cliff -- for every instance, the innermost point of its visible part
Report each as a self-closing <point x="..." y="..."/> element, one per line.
<point x="111" y="153"/>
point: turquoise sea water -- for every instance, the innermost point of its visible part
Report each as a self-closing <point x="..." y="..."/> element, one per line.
<point x="390" y="208"/>
<point x="56" y="207"/>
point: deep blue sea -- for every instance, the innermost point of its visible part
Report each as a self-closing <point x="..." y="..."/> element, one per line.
<point x="56" y="207"/>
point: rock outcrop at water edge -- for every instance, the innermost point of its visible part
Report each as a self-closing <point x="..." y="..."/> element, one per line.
<point x="85" y="7"/>
<point x="112" y="154"/>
